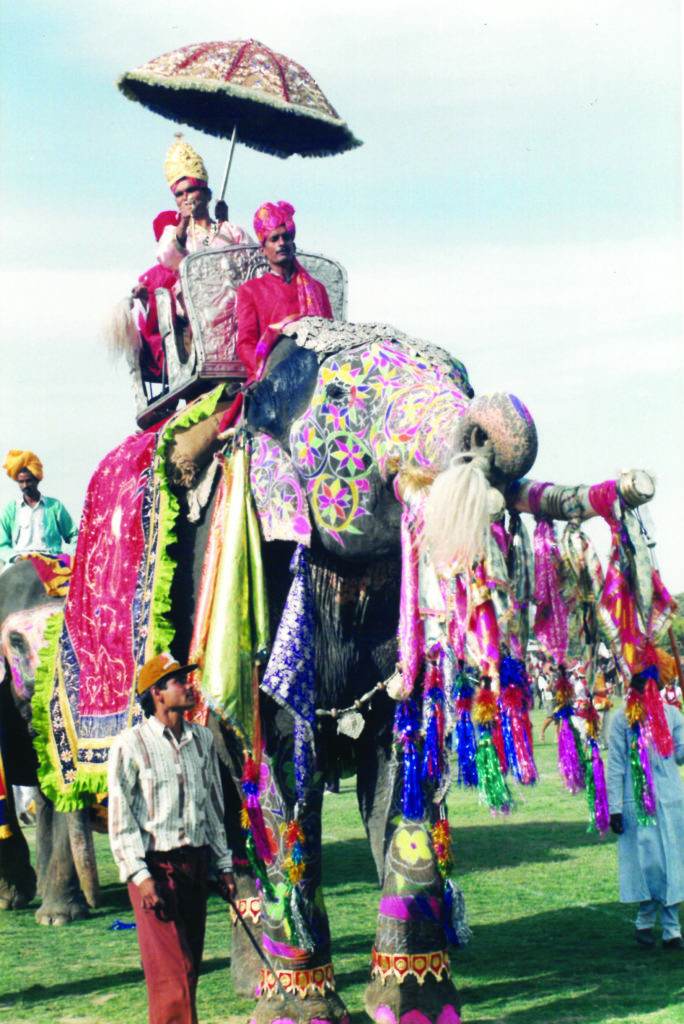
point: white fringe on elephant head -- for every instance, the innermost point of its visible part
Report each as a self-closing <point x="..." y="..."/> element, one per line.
<point x="119" y="331"/>
<point x="458" y="510"/>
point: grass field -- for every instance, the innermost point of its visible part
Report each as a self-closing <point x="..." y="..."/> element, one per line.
<point x="551" y="945"/>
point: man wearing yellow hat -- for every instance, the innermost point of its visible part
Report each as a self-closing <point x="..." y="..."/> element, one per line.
<point x="189" y="183"/>
<point x="165" y="826"/>
<point x="32" y="523"/>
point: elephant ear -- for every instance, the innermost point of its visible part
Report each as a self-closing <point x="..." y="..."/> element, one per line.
<point x="505" y="421"/>
<point x="284" y="391"/>
<point x="278" y="494"/>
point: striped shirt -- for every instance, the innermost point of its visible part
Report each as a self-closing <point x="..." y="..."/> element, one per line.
<point x="164" y="794"/>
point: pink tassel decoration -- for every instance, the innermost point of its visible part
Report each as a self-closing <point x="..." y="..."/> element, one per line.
<point x="551" y="618"/>
<point x="655" y="715"/>
<point x="483" y="625"/>
<point x="411" y="632"/>
<point x="516" y="721"/>
<point x="527" y="770"/>
<point x="257" y="825"/>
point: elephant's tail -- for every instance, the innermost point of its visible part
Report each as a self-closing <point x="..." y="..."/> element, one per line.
<point x="119" y="331"/>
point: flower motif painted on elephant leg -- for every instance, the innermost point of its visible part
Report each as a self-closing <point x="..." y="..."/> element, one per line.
<point x="413" y="846"/>
<point x="274" y="910"/>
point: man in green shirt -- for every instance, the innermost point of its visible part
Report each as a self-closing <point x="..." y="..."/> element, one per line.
<point x="32" y="523"/>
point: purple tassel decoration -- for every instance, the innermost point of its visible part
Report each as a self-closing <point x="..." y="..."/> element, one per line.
<point x="600" y="815"/>
<point x="570" y="756"/>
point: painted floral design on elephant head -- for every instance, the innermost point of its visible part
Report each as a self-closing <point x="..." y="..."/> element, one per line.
<point x="278" y="493"/>
<point x="372" y="410"/>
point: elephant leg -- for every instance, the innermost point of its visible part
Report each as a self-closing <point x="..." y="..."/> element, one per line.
<point x="83" y="852"/>
<point x="410" y="971"/>
<point x="17" y="877"/>
<point x="244" y="961"/>
<point x="295" y="922"/>
<point x="61" y="894"/>
<point x="378" y="790"/>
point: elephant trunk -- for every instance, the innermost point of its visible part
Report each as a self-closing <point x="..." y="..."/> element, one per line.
<point x="83" y="852"/>
<point x="636" y="487"/>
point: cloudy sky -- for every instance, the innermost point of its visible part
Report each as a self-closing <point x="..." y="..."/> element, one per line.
<point x="517" y="200"/>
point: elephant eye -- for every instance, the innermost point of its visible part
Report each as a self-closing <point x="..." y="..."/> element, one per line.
<point x="335" y="390"/>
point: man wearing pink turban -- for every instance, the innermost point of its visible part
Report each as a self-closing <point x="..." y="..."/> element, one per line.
<point x="285" y="292"/>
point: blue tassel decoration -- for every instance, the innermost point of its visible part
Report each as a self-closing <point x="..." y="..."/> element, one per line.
<point x="434" y="742"/>
<point x="465" y="738"/>
<point x="407" y="728"/>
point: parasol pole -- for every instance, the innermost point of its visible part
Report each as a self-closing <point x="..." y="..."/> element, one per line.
<point x="229" y="161"/>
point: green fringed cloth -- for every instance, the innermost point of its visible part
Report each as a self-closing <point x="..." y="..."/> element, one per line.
<point x="116" y="615"/>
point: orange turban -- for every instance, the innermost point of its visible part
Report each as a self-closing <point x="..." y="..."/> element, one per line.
<point x="16" y="460"/>
<point x="667" y="667"/>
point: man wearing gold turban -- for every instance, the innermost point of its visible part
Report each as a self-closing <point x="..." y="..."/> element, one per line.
<point x="32" y="523"/>
<point x="188" y="181"/>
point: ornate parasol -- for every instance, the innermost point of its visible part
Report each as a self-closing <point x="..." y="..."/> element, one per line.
<point x="242" y="88"/>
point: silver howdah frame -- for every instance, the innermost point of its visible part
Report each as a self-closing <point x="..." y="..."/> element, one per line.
<point x="206" y="353"/>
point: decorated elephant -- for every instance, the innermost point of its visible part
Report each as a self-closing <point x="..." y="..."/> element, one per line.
<point x="354" y="434"/>
<point x="67" y="881"/>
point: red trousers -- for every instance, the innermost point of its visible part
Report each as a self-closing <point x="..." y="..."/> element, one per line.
<point x="172" y="940"/>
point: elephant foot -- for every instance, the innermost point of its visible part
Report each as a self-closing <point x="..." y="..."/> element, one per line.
<point x="60" y="913"/>
<point x="245" y="965"/>
<point x="310" y="998"/>
<point x="313" y="1009"/>
<point x="422" y="999"/>
<point x="17" y="877"/>
<point x="16" y="897"/>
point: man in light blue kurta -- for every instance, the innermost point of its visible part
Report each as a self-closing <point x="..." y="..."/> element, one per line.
<point x="650" y="857"/>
